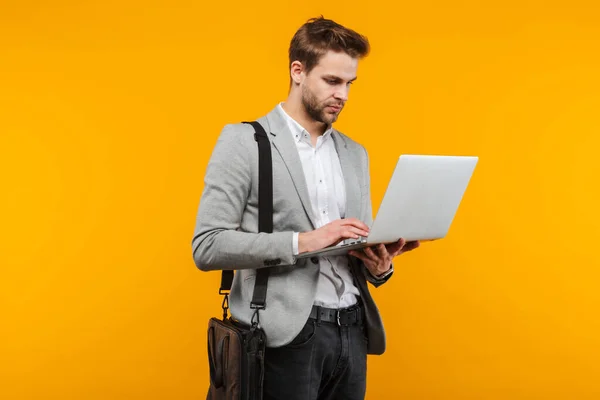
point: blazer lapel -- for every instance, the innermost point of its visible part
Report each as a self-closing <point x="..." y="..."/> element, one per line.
<point x="350" y="171"/>
<point x="282" y="140"/>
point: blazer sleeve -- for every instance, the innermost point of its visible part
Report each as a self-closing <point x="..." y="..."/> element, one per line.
<point x="217" y="243"/>
<point x="369" y="221"/>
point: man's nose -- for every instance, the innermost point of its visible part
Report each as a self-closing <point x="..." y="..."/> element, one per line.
<point x="341" y="93"/>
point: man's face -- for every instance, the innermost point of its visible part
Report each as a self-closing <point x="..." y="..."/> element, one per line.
<point x="325" y="88"/>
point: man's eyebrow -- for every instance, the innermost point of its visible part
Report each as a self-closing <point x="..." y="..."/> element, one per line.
<point x="337" y="78"/>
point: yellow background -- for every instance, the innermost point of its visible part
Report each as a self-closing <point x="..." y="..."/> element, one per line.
<point x="109" y="112"/>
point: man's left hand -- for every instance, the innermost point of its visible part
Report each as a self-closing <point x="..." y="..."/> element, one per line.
<point x="379" y="262"/>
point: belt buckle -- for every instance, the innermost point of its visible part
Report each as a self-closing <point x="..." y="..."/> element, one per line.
<point x="337" y="316"/>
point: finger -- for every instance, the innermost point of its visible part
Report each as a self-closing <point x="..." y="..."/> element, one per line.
<point x="360" y="255"/>
<point x="351" y="232"/>
<point x="340" y="234"/>
<point x="356" y="223"/>
<point x="370" y="264"/>
<point x="395" y="247"/>
<point x="371" y="254"/>
<point x="382" y="251"/>
<point x="358" y="231"/>
<point x="411" y="246"/>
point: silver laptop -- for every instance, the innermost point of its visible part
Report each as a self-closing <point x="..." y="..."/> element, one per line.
<point x="420" y="202"/>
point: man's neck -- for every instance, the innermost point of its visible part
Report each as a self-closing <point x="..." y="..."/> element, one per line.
<point x="299" y="114"/>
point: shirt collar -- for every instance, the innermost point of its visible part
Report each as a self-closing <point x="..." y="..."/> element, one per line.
<point x="298" y="132"/>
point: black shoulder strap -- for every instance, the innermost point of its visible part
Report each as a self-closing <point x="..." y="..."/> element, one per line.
<point x="265" y="214"/>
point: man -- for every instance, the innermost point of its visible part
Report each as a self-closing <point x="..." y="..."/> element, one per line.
<point x="320" y="320"/>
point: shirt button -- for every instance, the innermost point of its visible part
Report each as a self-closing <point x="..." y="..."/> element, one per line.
<point x="314" y="260"/>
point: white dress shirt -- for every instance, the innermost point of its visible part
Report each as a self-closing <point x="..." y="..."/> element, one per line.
<point x="325" y="182"/>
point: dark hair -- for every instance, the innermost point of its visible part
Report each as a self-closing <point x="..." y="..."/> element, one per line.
<point x="319" y="35"/>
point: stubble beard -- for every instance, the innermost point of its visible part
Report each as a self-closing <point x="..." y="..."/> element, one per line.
<point x="314" y="110"/>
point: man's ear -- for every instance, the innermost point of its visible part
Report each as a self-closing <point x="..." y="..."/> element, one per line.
<point x="297" y="72"/>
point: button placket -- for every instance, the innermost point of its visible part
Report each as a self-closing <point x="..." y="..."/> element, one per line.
<point x="323" y="190"/>
<point x="326" y="191"/>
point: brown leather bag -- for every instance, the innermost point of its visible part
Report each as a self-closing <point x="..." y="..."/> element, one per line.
<point x="236" y="357"/>
<point x="236" y="351"/>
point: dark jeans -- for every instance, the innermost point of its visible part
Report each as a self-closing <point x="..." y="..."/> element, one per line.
<point x="325" y="362"/>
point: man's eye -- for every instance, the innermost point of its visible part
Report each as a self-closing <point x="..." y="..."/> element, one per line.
<point x="331" y="82"/>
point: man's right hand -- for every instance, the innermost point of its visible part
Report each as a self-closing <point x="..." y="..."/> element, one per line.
<point x="330" y="234"/>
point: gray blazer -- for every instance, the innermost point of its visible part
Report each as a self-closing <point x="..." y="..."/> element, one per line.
<point x="226" y="237"/>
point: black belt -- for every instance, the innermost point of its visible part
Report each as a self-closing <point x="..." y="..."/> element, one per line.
<point x="343" y="316"/>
